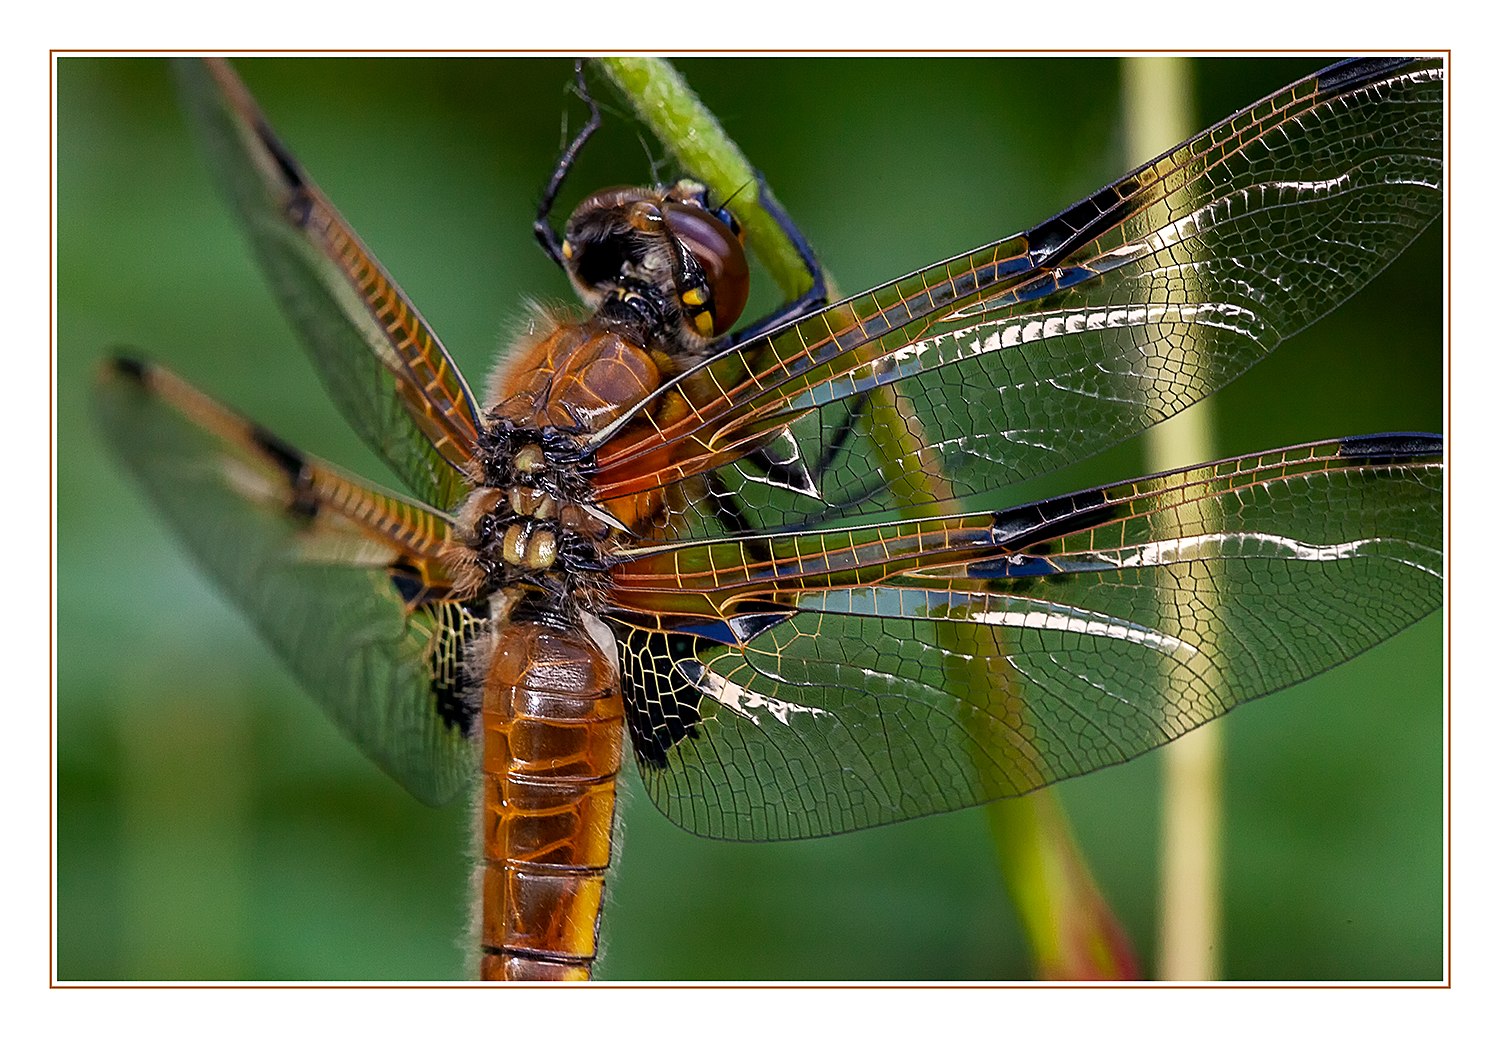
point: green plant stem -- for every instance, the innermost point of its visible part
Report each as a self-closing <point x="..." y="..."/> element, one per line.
<point x="661" y="99"/>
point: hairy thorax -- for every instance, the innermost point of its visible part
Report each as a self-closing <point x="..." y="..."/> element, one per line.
<point x="532" y="523"/>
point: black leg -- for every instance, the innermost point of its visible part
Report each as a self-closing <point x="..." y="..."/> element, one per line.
<point x="815" y="298"/>
<point x="840" y="436"/>
<point x="545" y="234"/>
<point x="724" y="502"/>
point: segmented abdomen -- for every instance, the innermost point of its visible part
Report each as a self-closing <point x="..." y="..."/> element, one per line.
<point x="553" y="738"/>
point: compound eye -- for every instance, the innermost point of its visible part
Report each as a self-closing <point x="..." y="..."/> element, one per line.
<point x="725" y="270"/>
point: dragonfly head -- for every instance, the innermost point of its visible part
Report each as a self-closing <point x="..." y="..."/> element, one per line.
<point x="668" y="251"/>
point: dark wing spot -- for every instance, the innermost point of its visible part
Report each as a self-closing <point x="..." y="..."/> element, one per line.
<point x="131" y="367"/>
<point x="407" y="581"/>
<point x="293" y="464"/>
<point x="291" y="173"/>
<point x="1391" y="445"/>
<point x="1357" y="72"/>
<point x="1027" y="526"/>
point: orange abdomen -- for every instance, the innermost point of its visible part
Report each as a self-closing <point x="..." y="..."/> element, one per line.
<point x="554" y="734"/>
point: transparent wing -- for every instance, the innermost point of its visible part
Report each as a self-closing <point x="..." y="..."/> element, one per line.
<point x="795" y="685"/>
<point x="344" y="582"/>
<point x="1029" y="354"/>
<point x="385" y="369"/>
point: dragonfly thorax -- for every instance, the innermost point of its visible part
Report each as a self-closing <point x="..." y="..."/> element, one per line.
<point x="530" y="521"/>
<point x="534" y="519"/>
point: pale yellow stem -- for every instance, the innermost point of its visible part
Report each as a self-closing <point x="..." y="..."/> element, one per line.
<point x="1157" y="94"/>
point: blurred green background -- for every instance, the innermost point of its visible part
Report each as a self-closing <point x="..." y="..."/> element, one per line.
<point x="211" y="823"/>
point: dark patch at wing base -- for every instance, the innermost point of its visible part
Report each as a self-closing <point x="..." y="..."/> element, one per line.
<point x="456" y="628"/>
<point x="661" y="700"/>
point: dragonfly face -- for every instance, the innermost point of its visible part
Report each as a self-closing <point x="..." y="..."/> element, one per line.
<point x="1262" y="443"/>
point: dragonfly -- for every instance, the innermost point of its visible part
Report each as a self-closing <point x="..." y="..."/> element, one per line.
<point x="777" y="594"/>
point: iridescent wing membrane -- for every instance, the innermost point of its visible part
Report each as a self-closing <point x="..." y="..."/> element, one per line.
<point x="864" y="675"/>
<point x="1028" y="354"/>
<point x="785" y="678"/>
<point x="344" y="580"/>
<point x="384" y="367"/>
<point x="791" y="678"/>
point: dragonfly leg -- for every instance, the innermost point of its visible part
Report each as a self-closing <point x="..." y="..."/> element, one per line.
<point x="546" y="234"/>
<point x="728" y="512"/>
<point x="814" y="298"/>
<point x="835" y="445"/>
